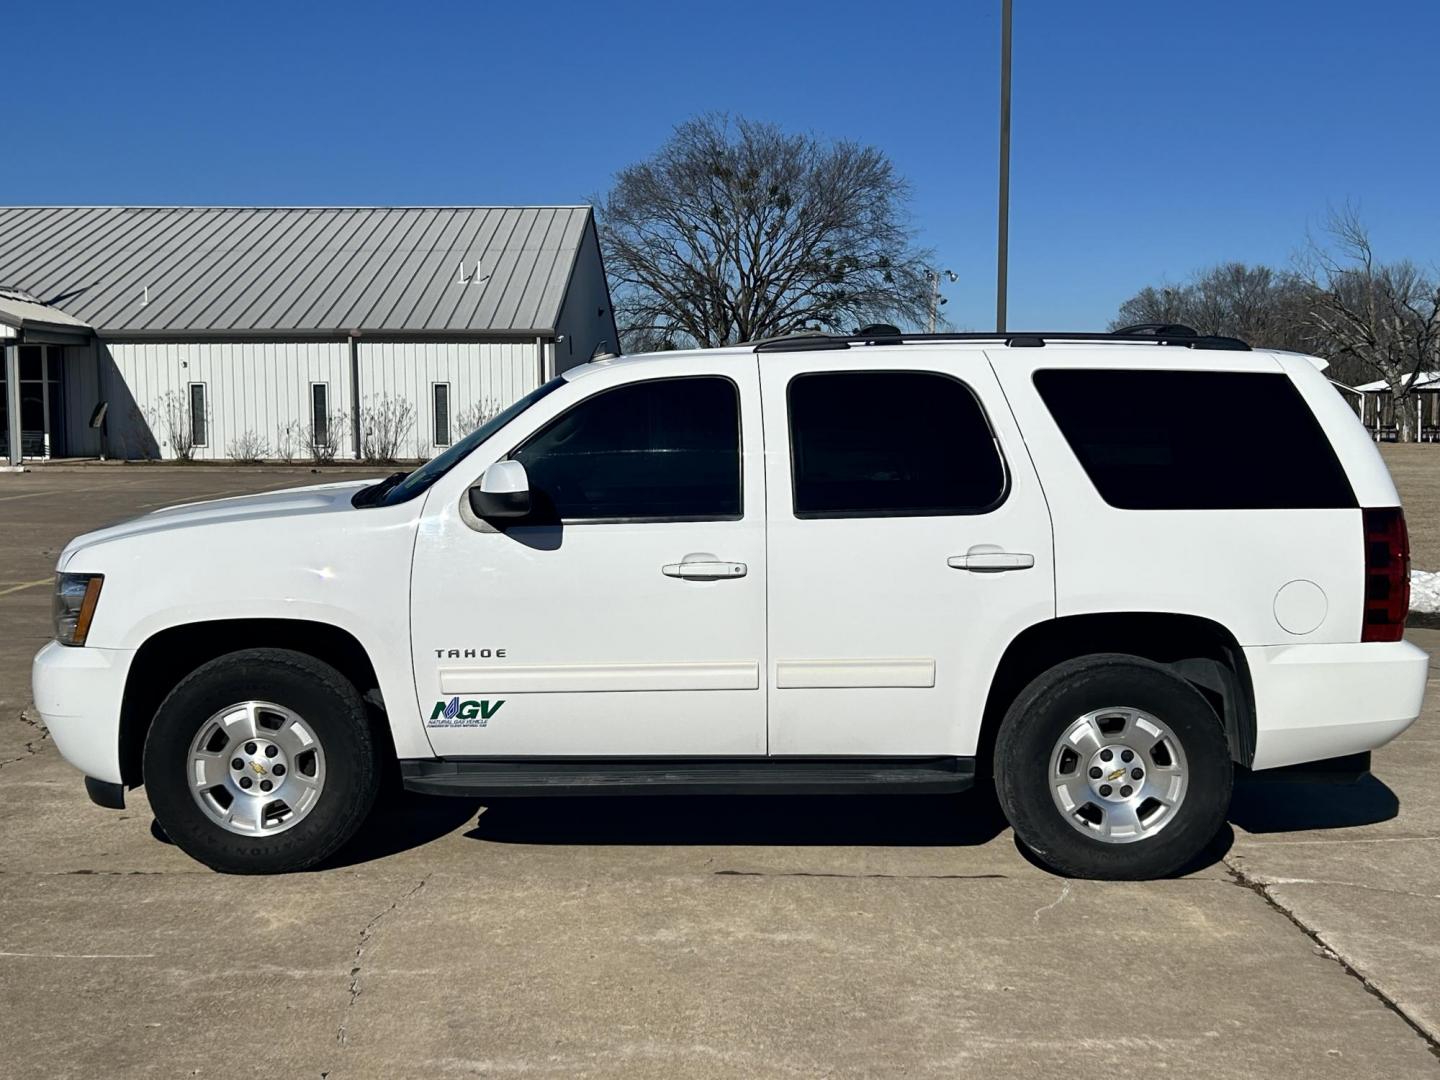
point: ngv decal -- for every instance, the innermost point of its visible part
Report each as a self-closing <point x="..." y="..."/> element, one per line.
<point x="457" y="713"/>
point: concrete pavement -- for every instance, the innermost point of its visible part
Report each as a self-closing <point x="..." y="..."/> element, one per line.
<point x="889" y="936"/>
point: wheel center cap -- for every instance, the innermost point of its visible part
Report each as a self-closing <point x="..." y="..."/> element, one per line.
<point x="258" y="766"/>
<point x="1110" y="773"/>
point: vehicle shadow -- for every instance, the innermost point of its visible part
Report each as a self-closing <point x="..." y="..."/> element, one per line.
<point x="400" y="822"/>
<point x="403" y="821"/>
<point x="1278" y="804"/>
<point x="761" y="820"/>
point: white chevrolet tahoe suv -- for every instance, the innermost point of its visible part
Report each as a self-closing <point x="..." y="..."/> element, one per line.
<point x="1100" y="571"/>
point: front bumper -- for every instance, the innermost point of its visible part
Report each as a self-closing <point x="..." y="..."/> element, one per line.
<point x="1314" y="702"/>
<point x="78" y="692"/>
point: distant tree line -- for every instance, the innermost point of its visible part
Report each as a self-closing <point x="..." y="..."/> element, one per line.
<point x="1370" y="319"/>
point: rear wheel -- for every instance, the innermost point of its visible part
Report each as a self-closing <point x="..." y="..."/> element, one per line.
<point x="261" y="761"/>
<point x="1111" y="766"/>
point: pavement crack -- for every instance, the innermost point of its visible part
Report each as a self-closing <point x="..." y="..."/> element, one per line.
<point x="1348" y="840"/>
<point x="1268" y="881"/>
<point x="1064" y="892"/>
<point x="30" y="746"/>
<point x="357" y="965"/>
<point x="1263" y="890"/>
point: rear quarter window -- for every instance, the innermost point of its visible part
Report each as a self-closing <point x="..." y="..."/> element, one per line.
<point x="1196" y="440"/>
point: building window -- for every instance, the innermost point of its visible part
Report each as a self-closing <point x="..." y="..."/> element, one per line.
<point x="890" y="444"/>
<point x="319" y="414"/>
<point x="442" y="413"/>
<point x="665" y="450"/>
<point x="199" y="429"/>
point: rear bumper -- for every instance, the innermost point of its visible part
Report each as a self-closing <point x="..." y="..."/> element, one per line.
<point x="1326" y="701"/>
<point x="78" y="692"/>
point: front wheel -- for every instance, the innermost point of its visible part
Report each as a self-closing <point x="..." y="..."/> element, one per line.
<point x="1111" y="766"/>
<point x="261" y="762"/>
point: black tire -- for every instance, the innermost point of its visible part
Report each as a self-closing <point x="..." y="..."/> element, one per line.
<point x="1041" y="714"/>
<point x="330" y="706"/>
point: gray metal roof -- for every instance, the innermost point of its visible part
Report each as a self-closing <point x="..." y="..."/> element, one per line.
<point x="170" y="270"/>
<point x="23" y="311"/>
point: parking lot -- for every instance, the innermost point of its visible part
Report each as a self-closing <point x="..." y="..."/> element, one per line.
<point x="696" y="937"/>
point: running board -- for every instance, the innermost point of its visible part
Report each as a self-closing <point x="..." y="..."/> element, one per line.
<point x="694" y="776"/>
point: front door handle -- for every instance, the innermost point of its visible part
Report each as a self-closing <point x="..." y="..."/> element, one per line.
<point x="991" y="562"/>
<point x="703" y="566"/>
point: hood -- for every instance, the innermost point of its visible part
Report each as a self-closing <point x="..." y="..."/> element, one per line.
<point x="289" y="503"/>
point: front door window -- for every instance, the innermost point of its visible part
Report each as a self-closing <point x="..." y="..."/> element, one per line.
<point x="665" y="450"/>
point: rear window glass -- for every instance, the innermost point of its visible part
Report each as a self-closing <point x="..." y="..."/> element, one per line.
<point x="1196" y="440"/>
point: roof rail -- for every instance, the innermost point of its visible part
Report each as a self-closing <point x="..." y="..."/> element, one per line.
<point x="1158" y="329"/>
<point x="1142" y="334"/>
<point x="803" y="342"/>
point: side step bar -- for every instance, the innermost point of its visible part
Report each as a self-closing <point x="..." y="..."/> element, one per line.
<point x="494" y="777"/>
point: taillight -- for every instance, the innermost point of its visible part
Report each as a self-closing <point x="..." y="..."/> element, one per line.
<point x="1387" y="575"/>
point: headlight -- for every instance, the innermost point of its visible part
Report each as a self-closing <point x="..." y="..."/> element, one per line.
<point x="75" y="598"/>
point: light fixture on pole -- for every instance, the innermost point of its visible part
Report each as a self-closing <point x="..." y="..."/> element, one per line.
<point x="936" y="300"/>
<point x="1003" y="246"/>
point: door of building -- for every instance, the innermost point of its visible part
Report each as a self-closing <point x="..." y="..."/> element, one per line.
<point x="42" y="408"/>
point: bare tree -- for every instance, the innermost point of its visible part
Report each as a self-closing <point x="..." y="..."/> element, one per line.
<point x="386" y="422"/>
<point x="482" y="412"/>
<point x="172" y="416"/>
<point x="247" y="447"/>
<point x="325" y="440"/>
<point x="287" y="441"/>
<point x="736" y="231"/>
<point x="1259" y="304"/>
<point x="1383" y="316"/>
<point x="1156" y="304"/>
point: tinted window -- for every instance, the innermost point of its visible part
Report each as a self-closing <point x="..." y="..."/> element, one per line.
<point x="871" y="443"/>
<point x="1195" y="440"/>
<point x="668" y="450"/>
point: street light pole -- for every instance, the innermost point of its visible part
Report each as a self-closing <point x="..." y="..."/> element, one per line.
<point x="1003" y="245"/>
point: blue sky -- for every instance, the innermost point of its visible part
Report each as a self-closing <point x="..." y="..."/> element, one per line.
<point x="1150" y="137"/>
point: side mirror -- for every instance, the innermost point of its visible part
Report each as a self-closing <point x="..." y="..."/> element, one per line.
<point x="503" y="492"/>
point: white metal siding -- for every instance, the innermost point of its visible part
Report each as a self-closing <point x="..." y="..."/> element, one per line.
<point x="261" y="387"/>
<point x="490" y="376"/>
<point x="249" y="387"/>
<point x="586" y="321"/>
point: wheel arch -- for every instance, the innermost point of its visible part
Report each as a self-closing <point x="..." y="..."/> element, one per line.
<point x="168" y="655"/>
<point x="1199" y="650"/>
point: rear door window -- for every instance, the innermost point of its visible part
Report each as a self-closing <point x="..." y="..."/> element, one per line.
<point x="1195" y="440"/>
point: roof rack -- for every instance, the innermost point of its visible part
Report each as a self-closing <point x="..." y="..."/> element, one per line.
<point x="1140" y="334"/>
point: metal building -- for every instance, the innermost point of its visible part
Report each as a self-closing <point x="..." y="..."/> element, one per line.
<point x="284" y="331"/>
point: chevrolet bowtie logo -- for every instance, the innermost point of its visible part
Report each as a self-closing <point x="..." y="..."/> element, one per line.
<point x="260" y="769"/>
<point x="1116" y="775"/>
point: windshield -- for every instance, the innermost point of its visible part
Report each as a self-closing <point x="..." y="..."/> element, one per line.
<point x="421" y="479"/>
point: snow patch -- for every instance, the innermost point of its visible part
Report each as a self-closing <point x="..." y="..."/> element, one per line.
<point x="1425" y="592"/>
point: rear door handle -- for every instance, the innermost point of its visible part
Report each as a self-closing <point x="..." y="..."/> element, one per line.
<point x="991" y="562"/>
<point x="704" y="567"/>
